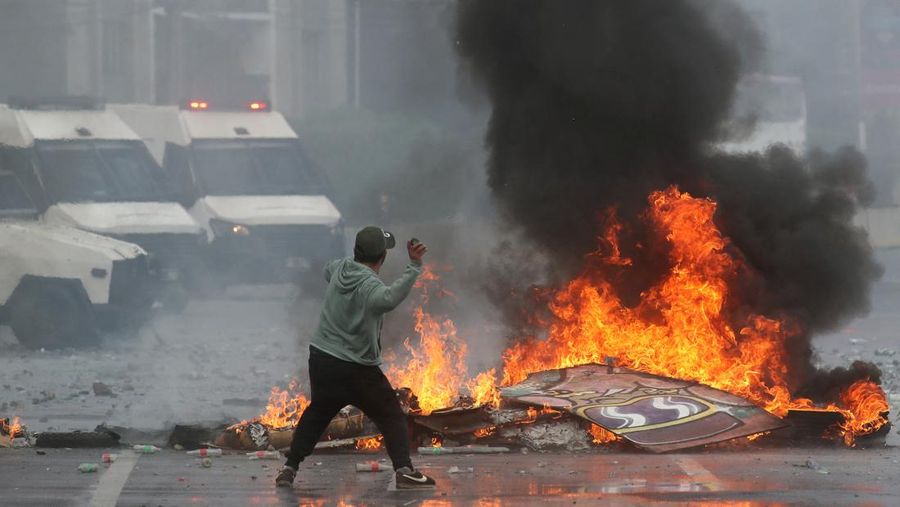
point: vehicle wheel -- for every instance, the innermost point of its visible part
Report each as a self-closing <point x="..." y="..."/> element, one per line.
<point x="52" y="316"/>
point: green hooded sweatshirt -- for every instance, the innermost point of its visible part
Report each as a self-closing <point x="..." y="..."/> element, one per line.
<point x="355" y="303"/>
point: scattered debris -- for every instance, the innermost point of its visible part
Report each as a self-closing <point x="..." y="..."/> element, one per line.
<point x="350" y="423"/>
<point x="206" y="462"/>
<point x="372" y="466"/>
<point x="457" y="421"/>
<point x="264" y="455"/>
<point x="100" y="437"/>
<point x="466" y="449"/>
<point x="193" y="436"/>
<point x="88" y="468"/>
<point x="101" y="389"/>
<point x="204" y="453"/>
<point x="456" y="470"/>
<point x="108" y="457"/>
<point x="159" y="438"/>
<point x="249" y="436"/>
<point x="568" y="434"/>
<point x="45" y="397"/>
<point x="812" y="465"/>
<point x="146" y="449"/>
<point x="655" y="413"/>
<point x="13" y="433"/>
<point x="809" y="425"/>
<point x="341" y="443"/>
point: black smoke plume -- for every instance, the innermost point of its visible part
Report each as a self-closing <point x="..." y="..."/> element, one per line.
<point x="596" y="103"/>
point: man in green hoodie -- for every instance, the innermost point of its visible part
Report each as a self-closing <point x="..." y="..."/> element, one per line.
<point x="345" y="354"/>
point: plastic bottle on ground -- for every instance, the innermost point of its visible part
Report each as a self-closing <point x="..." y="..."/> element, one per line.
<point x="372" y="466"/>
<point x="264" y="455"/>
<point x="205" y="452"/>
<point x="146" y="449"/>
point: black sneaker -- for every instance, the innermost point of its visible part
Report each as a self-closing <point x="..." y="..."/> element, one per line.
<point x="412" y="479"/>
<point x="285" y="477"/>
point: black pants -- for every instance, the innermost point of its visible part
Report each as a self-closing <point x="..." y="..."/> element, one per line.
<point x="335" y="384"/>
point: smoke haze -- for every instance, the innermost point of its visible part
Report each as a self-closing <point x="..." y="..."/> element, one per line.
<point x="598" y="103"/>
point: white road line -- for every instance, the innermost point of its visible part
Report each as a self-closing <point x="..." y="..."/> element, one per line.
<point x="113" y="480"/>
<point x="698" y="473"/>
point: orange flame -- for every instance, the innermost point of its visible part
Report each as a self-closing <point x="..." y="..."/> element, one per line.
<point x="369" y="444"/>
<point x="680" y="328"/>
<point x="12" y="430"/>
<point x="284" y="407"/>
<point x="485" y="432"/>
<point x="436" y="370"/>
<point x="602" y="436"/>
<point x="866" y="408"/>
<point x="483" y="389"/>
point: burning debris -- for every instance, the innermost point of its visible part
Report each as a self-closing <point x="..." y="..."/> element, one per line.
<point x="652" y="412"/>
<point x="100" y="437"/>
<point x="738" y="259"/>
<point x="13" y="433"/>
<point x="710" y="274"/>
<point x="690" y="373"/>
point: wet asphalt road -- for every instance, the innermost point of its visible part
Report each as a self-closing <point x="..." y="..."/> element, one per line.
<point x="219" y="359"/>
<point x="745" y="478"/>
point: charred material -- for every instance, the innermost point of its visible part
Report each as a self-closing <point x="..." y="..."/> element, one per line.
<point x="594" y="108"/>
<point x="193" y="436"/>
<point x="101" y="437"/>
<point x="350" y="423"/>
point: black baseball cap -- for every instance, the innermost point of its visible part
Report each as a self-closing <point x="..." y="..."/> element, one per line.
<point x="372" y="242"/>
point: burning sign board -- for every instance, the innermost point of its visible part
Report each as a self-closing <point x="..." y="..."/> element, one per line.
<point x="655" y="413"/>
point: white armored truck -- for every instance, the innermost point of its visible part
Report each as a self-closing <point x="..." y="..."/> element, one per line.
<point x="243" y="175"/>
<point x="60" y="286"/>
<point x="86" y="169"/>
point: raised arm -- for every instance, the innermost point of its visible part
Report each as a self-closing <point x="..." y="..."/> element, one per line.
<point x="386" y="297"/>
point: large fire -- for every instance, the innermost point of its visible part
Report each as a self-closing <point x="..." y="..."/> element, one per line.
<point x="681" y="328"/>
<point x="436" y="368"/>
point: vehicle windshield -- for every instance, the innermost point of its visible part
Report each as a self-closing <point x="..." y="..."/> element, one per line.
<point x="266" y="167"/>
<point x="101" y="171"/>
<point x="13" y="198"/>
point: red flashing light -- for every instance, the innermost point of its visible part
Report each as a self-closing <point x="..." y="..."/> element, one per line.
<point x="198" y="105"/>
<point x="257" y="105"/>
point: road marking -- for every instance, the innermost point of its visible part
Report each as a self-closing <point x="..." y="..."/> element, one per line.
<point x="113" y="480"/>
<point x="698" y="473"/>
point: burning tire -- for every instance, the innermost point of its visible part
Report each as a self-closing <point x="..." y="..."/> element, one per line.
<point x="52" y="316"/>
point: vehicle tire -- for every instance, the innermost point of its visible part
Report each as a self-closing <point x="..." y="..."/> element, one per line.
<point x="52" y="316"/>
